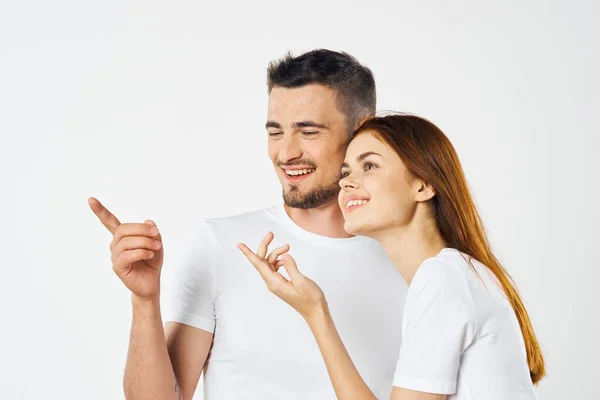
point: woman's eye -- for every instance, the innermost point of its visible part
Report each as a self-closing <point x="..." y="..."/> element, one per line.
<point x="344" y="174"/>
<point x="368" y="166"/>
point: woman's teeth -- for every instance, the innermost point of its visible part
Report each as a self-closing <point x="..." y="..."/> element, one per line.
<point x="296" y="172"/>
<point x="356" y="203"/>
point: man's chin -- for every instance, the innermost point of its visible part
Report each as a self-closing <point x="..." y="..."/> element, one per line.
<point x="314" y="198"/>
<point x="297" y="202"/>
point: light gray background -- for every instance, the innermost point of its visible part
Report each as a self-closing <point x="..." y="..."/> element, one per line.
<point x="157" y="108"/>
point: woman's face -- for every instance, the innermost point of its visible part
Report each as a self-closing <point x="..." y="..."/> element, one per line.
<point x="377" y="192"/>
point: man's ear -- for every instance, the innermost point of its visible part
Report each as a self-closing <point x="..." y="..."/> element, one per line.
<point x="425" y="191"/>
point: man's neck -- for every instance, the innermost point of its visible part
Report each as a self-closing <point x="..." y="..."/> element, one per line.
<point x="326" y="220"/>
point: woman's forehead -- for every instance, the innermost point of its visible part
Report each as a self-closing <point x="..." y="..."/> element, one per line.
<point x="365" y="142"/>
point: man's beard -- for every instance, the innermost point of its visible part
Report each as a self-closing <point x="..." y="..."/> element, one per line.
<point x="315" y="197"/>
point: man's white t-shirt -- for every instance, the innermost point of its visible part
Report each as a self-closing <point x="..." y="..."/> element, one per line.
<point x="262" y="348"/>
<point x="461" y="336"/>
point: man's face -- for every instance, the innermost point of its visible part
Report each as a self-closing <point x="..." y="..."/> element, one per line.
<point x="307" y="143"/>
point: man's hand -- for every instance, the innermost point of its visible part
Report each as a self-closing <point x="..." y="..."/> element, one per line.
<point x="136" y="252"/>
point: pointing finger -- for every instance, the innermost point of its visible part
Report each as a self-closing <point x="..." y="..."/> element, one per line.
<point x="106" y="217"/>
<point x="271" y="278"/>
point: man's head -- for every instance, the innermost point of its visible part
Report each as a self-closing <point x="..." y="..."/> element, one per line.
<point x="316" y="100"/>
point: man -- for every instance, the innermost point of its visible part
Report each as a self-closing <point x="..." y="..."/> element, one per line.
<point x="221" y="319"/>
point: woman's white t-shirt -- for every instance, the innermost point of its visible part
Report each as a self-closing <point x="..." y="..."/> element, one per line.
<point x="460" y="334"/>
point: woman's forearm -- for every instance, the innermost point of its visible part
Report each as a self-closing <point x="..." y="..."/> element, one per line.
<point x="346" y="380"/>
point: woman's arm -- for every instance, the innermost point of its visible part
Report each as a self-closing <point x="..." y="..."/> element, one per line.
<point x="346" y="380"/>
<point x="306" y="297"/>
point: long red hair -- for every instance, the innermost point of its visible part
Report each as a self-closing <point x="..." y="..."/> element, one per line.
<point x="428" y="154"/>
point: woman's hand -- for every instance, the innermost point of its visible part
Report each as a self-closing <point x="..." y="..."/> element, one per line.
<point x="300" y="292"/>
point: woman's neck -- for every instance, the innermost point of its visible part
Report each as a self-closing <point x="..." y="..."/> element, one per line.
<point x="408" y="246"/>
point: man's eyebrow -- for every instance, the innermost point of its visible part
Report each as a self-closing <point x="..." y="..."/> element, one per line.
<point x="308" y="124"/>
<point x="272" y="124"/>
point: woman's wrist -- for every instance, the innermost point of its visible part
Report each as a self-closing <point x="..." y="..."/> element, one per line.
<point x="319" y="317"/>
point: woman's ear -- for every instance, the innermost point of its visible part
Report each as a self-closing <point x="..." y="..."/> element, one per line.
<point x="424" y="191"/>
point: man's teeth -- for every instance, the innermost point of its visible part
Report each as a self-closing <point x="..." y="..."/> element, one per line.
<point x="356" y="203"/>
<point x="295" y="172"/>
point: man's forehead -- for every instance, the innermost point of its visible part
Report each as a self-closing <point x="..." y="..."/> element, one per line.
<point x="310" y="102"/>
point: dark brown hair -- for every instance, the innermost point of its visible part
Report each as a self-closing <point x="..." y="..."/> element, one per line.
<point x="428" y="155"/>
<point x="353" y="82"/>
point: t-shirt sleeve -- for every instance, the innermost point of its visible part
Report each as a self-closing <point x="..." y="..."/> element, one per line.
<point x="439" y="324"/>
<point x="190" y="298"/>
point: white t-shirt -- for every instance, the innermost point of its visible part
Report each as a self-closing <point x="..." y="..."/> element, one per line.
<point x="262" y="348"/>
<point x="461" y="336"/>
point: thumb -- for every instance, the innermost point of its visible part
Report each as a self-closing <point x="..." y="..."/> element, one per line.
<point x="291" y="267"/>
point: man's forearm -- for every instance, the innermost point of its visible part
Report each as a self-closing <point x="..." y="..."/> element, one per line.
<point x="344" y="376"/>
<point x="149" y="372"/>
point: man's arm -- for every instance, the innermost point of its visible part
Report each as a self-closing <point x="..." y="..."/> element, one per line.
<point x="163" y="363"/>
<point x="188" y="348"/>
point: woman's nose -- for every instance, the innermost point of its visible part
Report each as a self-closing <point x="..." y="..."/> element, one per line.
<point x="348" y="183"/>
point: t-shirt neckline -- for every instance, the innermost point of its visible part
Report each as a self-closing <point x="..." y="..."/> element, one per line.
<point x="283" y="217"/>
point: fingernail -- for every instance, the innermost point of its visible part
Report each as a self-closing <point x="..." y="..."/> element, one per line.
<point x="154" y="230"/>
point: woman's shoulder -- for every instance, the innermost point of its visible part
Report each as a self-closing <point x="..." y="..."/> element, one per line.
<point x="444" y="270"/>
<point x="440" y="287"/>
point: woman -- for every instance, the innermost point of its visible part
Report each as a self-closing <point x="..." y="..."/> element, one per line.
<point x="466" y="333"/>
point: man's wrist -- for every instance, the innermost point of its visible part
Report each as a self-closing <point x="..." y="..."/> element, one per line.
<point x="147" y="307"/>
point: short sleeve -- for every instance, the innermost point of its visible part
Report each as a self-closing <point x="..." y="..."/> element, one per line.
<point x="191" y="295"/>
<point x="439" y="324"/>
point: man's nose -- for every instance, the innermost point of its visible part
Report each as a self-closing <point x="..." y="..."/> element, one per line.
<point x="290" y="149"/>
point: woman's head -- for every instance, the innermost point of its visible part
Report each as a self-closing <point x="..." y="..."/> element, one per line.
<point x="416" y="178"/>
<point x="401" y="170"/>
<point x="379" y="189"/>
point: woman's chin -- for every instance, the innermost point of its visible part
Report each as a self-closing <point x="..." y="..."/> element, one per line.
<point x="355" y="228"/>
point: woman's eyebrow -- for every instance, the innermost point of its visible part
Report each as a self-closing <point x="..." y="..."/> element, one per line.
<point x="365" y="155"/>
<point x="361" y="157"/>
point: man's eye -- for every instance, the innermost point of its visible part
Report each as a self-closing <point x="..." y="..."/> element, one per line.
<point x="274" y="133"/>
<point x="309" y="133"/>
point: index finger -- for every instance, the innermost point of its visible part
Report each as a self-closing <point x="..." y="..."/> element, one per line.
<point x="268" y="275"/>
<point x="106" y="217"/>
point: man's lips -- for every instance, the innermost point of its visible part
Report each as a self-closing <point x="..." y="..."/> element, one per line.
<point x="295" y="174"/>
